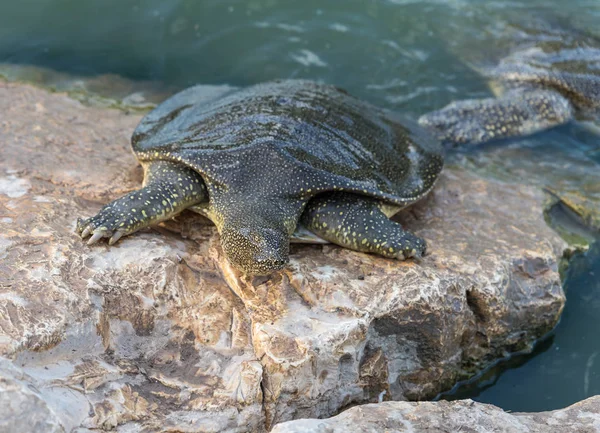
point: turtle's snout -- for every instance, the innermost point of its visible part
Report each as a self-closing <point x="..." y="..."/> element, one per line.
<point x="270" y="264"/>
<point x="256" y="251"/>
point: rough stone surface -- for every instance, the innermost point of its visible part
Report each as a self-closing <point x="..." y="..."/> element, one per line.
<point x="19" y="397"/>
<point x="449" y="417"/>
<point x="158" y="332"/>
<point x="548" y="162"/>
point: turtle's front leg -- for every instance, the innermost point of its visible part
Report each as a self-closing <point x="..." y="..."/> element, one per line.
<point x="358" y="223"/>
<point x="518" y="113"/>
<point x="168" y="189"/>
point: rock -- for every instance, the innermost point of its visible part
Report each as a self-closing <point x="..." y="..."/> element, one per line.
<point x="18" y="397"/>
<point x="107" y="90"/>
<point x="575" y="217"/>
<point x="455" y="416"/>
<point x="571" y="178"/>
<point x="159" y="332"/>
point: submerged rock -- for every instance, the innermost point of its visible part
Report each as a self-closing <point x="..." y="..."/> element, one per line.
<point x="456" y="416"/>
<point x="574" y="216"/>
<point x="159" y="331"/>
<point x="570" y="178"/>
<point x="106" y="90"/>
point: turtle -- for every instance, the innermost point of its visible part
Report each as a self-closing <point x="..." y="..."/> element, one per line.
<point x="273" y="161"/>
<point x="550" y="76"/>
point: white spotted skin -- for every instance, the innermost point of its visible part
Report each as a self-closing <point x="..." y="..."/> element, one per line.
<point x="550" y="80"/>
<point x="263" y="153"/>
<point x="168" y="189"/>
<point x="359" y="223"/>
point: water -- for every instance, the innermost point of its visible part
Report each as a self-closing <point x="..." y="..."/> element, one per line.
<point x="565" y="367"/>
<point x="393" y="52"/>
<point x="402" y="54"/>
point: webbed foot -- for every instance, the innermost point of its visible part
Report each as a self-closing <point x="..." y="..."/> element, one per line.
<point x="106" y="224"/>
<point x="404" y="246"/>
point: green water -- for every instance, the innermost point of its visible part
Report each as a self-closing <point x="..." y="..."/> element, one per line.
<point x="402" y="54"/>
<point x="391" y="52"/>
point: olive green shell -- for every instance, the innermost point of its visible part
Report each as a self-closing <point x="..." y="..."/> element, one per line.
<point x="291" y="139"/>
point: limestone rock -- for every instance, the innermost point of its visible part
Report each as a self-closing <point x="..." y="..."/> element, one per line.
<point x="18" y="397"/>
<point x="456" y="416"/>
<point x="159" y="331"/>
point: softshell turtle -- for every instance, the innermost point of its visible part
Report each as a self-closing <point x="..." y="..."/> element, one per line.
<point x="550" y="76"/>
<point x="260" y="160"/>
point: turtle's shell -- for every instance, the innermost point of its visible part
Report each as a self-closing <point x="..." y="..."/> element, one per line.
<point x="291" y="139"/>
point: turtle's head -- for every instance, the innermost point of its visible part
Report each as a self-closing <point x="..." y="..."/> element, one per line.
<point x="256" y="250"/>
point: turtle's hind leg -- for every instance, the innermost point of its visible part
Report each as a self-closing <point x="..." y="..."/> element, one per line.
<point x="358" y="223"/>
<point x="518" y="113"/>
<point x="168" y="189"/>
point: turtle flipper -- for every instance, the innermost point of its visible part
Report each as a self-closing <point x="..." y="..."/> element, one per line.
<point x="168" y="189"/>
<point x="358" y="223"/>
<point x="519" y="112"/>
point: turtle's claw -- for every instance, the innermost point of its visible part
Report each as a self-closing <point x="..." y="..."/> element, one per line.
<point x="114" y="238"/>
<point x="104" y="225"/>
<point x="86" y="232"/>
<point x="99" y="234"/>
<point x="417" y="257"/>
<point x="87" y="228"/>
